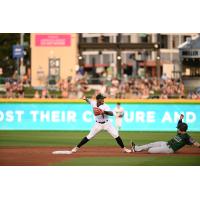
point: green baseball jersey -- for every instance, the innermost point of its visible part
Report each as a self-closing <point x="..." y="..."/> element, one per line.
<point x="179" y="141"/>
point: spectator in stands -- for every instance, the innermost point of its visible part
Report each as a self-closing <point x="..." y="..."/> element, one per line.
<point x="64" y="94"/>
<point x="164" y="77"/>
<point x="45" y="94"/>
<point x="127" y="87"/>
<point x="20" y="89"/>
<point x="113" y="91"/>
<point x="36" y="95"/>
<point x="8" y="89"/>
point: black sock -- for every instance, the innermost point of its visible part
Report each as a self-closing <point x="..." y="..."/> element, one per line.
<point x="119" y="142"/>
<point x="83" y="141"/>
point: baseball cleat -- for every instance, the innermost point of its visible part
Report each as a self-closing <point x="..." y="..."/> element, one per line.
<point x="133" y="146"/>
<point x="75" y="149"/>
<point x="62" y="152"/>
<point x="125" y="150"/>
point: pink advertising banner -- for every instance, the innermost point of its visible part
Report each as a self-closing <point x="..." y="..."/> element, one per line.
<point x="52" y="40"/>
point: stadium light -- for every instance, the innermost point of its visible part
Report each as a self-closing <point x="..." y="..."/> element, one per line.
<point x="119" y="57"/>
<point x="158" y="58"/>
<point x="156" y="46"/>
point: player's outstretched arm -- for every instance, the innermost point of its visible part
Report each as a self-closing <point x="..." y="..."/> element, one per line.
<point x="108" y="113"/>
<point x="86" y="99"/>
<point x="180" y="120"/>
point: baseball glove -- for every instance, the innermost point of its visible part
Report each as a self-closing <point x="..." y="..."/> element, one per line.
<point x="97" y="111"/>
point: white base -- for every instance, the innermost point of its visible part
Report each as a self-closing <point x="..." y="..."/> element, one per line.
<point x="62" y="152"/>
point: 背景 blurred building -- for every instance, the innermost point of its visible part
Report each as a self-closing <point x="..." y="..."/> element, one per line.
<point x="58" y="56"/>
<point x="53" y="57"/>
<point x="142" y="60"/>
<point x="190" y="62"/>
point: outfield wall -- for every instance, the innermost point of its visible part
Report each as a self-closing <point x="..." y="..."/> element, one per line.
<point x="140" y="115"/>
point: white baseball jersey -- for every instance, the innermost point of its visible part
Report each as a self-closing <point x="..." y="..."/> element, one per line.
<point x="118" y="111"/>
<point x="102" y="122"/>
<point x="105" y="107"/>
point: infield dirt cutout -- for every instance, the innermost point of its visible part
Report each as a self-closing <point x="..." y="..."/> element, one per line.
<point x="42" y="156"/>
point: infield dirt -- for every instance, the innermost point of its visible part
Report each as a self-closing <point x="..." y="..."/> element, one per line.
<point x="42" y="156"/>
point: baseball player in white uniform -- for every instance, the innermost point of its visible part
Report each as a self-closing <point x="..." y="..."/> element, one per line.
<point x="101" y="112"/>
<point x="119" y="113"/>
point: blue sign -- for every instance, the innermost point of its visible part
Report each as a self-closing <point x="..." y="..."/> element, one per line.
<point x="79" y="116"/>
<point x="18" y="51"/>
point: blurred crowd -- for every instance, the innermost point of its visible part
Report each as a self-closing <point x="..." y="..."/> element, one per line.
<point x="70" y="88"/>
<point x="14" y="89"/>
<point x="143" y="88"/>
<point x="74" y="87"/>
<point x="193" y="95"/>
<point x="126" y="88"/>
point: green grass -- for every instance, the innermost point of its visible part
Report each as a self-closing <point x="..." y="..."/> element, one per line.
<point x="134" y="161"/>
<point x="60" y="138"/>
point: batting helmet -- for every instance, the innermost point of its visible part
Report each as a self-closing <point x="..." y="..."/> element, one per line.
<point x="183" y="127"/>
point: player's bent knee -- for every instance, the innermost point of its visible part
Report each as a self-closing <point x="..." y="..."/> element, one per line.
<point x="115" y="136"/>
<point x="89" y="137"/>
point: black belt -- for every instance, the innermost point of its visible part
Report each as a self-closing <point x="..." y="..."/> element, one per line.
<point x="102" y="122"/>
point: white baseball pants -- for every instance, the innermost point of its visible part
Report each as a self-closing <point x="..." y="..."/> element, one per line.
<point x="99" y="127"/>
<point x="118" y="122"/>
<point x="155" y="147"/>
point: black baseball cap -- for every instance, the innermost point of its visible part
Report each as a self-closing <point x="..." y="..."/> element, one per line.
<point x="100" y="96"/>
<point x="183" y="127"/>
